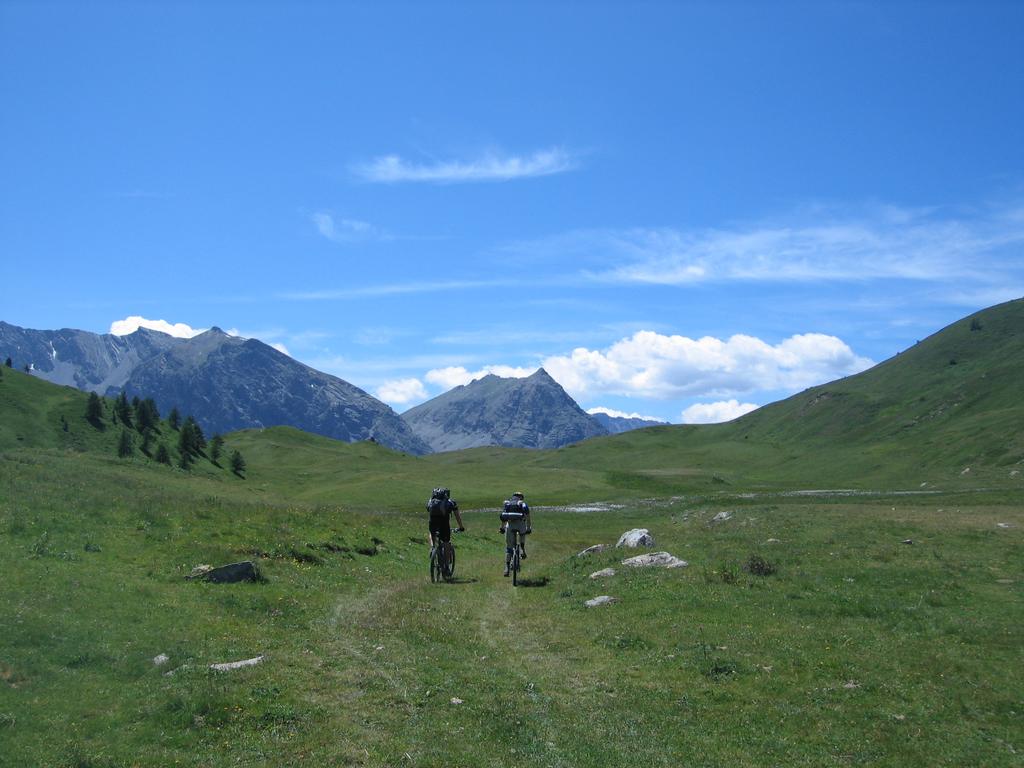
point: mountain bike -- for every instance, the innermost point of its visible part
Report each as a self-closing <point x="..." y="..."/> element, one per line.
<point x="442" y="561"/>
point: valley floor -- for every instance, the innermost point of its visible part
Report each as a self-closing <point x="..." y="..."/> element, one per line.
<point x="890" y="631"/>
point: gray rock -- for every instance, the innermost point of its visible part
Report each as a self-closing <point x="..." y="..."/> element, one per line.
<point x="227" y="574"/>
<point x="600" y="600"/>
<point x="228" y="666"/>
<point x="721" y="517"/>
<point x="592" y="550"/>
<point x="160" y="659"/>
<point x="637" y="537"/>
<point x="655" y="560"/>
<point x="603" y="574"/>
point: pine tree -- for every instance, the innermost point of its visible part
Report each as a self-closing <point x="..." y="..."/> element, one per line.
<point x="185" y="461"/>
<point x="123" y="409"/>
<point x="237" y="463"/>
<point x="147" y="441"/>
<point x="146" y="415"/>
<point x="186" y="440"/>
<point x="124" y="445"/>
<point x="9" y="363"/>
<point x="94" y="410"/>
<point x="174" y="418"/>
<point x="216" y="448"/>
<point x="192" y="439"/>
<point x="163" y="455"/>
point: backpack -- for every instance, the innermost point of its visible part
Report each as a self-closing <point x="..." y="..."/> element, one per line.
<point x="514" y="510"/>
<point x="437" y="507"/>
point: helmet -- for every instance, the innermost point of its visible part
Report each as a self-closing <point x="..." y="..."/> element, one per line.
<point x="517" y="495"/>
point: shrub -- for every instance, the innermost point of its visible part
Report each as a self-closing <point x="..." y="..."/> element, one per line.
<point x="759" y="566"/>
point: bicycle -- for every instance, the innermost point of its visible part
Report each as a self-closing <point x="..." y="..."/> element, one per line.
<point x="442" y="561"/>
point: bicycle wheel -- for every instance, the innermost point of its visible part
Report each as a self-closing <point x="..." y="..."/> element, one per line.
<point x="515" y="562"/>
<point x="450" y="574"/>
<point x="435" y="565"/>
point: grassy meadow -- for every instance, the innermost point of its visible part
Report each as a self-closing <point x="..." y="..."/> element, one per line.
<point x="803" y="632"/>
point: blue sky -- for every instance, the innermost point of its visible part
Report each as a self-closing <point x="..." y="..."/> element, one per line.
<point x="681" y="210"/>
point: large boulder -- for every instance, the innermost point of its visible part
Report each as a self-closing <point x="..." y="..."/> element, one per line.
<point x="227" y="574"/>
<point x="655" y="560"/>
<point x="600" y="600"/>
<point x="637" y="537"/>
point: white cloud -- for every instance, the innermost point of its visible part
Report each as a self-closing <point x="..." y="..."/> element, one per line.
<point x="132" y="323"/>
<point x="488" y="167"/>
<point x="454" y="376"/>
<point x="621" y="414"/>
<point x="401" y="391"/>
<point x="345" y="230"/>
<point x="649" y="364"/>
<point x="281" y="348"/>
<point x="714" y="413"/>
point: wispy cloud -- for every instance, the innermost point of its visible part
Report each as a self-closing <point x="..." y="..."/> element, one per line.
<point x="978" y="248"/>
<point x="394" y="289"/>
<point x="346" y="230"/>
<point x="391" y="169"/>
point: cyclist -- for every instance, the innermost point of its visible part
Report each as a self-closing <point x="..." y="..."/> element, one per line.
<point x="515" y="518"/>
<point x="441" y="506"/>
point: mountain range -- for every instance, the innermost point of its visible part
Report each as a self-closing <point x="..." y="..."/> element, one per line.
<point x="225" y="382"/>
<point x="229" y="383"/>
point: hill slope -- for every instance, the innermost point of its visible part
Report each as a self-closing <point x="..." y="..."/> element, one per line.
<point x="954" y="396"/>
<point x="949" y="403"/>
<point x="534" y="412"/>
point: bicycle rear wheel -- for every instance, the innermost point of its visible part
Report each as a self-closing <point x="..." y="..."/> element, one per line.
<point x="435" y="565"/>
<point x="450" y="563"/>
<point x="515" y="562"/>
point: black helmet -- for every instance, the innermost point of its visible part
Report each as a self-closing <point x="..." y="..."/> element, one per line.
<point x="517" y="495"/>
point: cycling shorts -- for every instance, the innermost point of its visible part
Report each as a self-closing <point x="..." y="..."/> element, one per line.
<point x="441" y="528"/>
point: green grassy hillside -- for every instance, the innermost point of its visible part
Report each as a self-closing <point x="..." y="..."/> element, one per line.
<point x="953" y="399"/>
<point x="35" y="414"/>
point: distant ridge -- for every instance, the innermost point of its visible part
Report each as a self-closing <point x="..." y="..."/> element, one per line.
<point x="531" y="412"/>
<point x="225" y="382"/>
<point x="618" y="424"/>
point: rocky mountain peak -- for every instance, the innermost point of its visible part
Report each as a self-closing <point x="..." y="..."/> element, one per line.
<point x="531" y="412"/>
